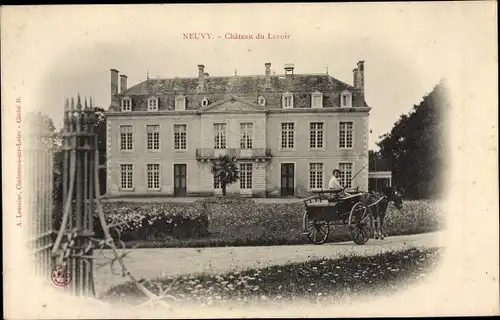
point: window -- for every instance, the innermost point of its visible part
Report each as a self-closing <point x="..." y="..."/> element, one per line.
<point x="316" y="100"/>
<point x="345" y="134"/>
<point x="315" y="176"/>
<point x="261" y="101"/>
<point x="180" y="137"/>
<point x="346" y="100"/>
<point x="180" y="103"/>
<point x="246" y="133"/>
<point x="287" y="135"/>
<point x="345" y="174"/>
<point x="217" y="184"/>
<point x="126" y="104"/>
<point x="153" y="176"/>
<point x="204" y="102"/>
<point x="245" y="176"/>
<point x="153" y="104"/>
<point x="126" y="137"/>
<point x="153" y="137"/>
<point x="126" y="176"/>
<point x="287" y="101"/>
<point x="316" y="135"/>
<point x="220" y="136"/>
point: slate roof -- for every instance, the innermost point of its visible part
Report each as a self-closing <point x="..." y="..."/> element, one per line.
<point x="248" y="87"/>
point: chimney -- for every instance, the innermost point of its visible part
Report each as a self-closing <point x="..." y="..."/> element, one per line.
<point x="355" y="78"/>
<point x="123" y="83"/>
<point x="361" y="76"/>
<point x="114" y="82"/>
<point x="201" y="77"/>
<point x="268" y="74"/>
<point x="289" y="68"/>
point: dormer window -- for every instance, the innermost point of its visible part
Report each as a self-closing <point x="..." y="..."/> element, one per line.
<point x="126" y="104"/>
<point x="317" y="100"/>
<point x="153" y="104"/>
<point x="180" y="103"/>
<point x="346" y="99"/>
<point x="204" y="102"/>
<point x="261" y="101"/>
<point x="287" y="100"/>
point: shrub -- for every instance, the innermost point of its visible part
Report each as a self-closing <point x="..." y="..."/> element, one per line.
<point x="155" y="220"/>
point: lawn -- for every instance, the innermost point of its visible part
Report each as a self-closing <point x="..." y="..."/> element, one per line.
<point x="246" y="223"/>
<point x="321" y="281"/>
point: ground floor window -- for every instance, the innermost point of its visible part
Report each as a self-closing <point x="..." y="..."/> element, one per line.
<point x="245" y="176"/>
<point x="315" y="176"/>
<point x="345" y="174"/>
<point x="153" y="176"/>
<point x="126" y="176"/>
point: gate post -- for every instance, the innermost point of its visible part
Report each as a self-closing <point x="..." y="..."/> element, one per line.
<point x="79" y="145"/>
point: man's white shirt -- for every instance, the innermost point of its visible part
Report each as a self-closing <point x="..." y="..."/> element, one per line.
<point x="334" y="184"/>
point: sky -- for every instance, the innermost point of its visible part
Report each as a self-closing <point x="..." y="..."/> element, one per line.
<point x="66" y="50"/>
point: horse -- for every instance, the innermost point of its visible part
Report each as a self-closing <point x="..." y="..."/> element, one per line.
<point x="377" y="205"/>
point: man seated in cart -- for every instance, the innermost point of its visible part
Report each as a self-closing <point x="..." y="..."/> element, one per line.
<point x="339" y="192"/>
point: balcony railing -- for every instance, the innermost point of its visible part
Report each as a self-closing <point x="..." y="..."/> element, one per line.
<point x="240" y="154"/>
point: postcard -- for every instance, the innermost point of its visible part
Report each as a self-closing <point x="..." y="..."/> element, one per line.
<point x="250" y="160"/>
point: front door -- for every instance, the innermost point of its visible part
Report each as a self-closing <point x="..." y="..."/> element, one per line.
<point x="180" y="180"/>
<point x="287" y="179"/>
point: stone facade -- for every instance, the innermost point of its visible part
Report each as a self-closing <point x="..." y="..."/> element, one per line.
<point x="230" y="103"/>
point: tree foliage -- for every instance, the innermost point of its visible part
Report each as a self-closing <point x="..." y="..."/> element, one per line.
<point x="225" y="170"/>
<point x="414" y="149"/>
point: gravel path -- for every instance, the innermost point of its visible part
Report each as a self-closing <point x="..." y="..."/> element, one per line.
<point x="153" y="263"/>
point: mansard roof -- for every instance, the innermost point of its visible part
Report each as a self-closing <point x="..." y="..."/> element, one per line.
<point x="240" y="84"/>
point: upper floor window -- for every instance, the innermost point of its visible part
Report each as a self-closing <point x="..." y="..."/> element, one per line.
<point x="220" y="136"/>
<point x="287" y="135"/>
<point x="153" y="104"/>
<point x="316" y="135"/>
<point x="180" y="103"/>
<point x="126" y="137"/>
<point x="180" y="137"/>
<point x="316" y="100"/>
<point x="126" y="104"/>
<point x="261" y="101"/>
<point x="246" y="133"/>
<point x="287" y="101"/>
<point x="153" y="137"/>
<point x="346" y="100"/>
<point x="204" y="102"/>
<point x="346" y="134"/>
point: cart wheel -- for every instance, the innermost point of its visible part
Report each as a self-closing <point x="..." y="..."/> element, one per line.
<point x="360" y="223"/>
<point x="317" y="231"/>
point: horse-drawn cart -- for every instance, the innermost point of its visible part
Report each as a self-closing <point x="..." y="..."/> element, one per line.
<point x="322" y="212"/>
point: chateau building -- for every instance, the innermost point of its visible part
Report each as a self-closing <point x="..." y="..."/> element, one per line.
<point x="288" y="132"/>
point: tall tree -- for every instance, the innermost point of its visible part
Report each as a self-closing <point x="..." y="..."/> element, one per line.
<point x="415" y="148"/>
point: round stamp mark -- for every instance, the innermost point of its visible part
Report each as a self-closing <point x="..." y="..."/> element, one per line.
<point x="61" y="276"/>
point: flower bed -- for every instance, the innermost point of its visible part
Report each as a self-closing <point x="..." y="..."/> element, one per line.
<point x="324" y="280"/>
<point x="243" y="222"/>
